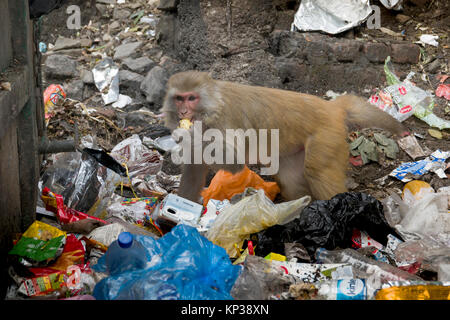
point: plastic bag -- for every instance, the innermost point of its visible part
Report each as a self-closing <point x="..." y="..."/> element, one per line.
<point x="133" y="210"/>
<point x="84" y="184"/>
<point x="156" y="185"/>
<point x="250" y="215"/>
<point x="429" y="251"/>
<point x="183" y="265"/>
<point x="408" y="98"/>
<point x="328" y="224"/>
<point x="426" y="216"/>
<point x="225" y="184"/>
<point x="259" y="281"/>
<point x="139" y="159"/>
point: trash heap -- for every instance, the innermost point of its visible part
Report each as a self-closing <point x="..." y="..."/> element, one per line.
<point x="110" y="225"/>
<point x="91" y="241"/>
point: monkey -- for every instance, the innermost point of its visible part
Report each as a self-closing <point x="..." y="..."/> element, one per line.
<point x="313" y="150"/>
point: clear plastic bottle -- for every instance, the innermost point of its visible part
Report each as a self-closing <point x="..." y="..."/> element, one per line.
<point x="125" y="254"/>
<point x="344" y="289"/>
<point x="364" y="267"/>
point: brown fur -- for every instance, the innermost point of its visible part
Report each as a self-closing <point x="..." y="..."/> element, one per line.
<point x="303" y="120"/>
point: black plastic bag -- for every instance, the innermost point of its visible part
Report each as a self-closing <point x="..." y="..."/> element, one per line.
<point x="328" y="224"/>
<point x="105" y="159"/>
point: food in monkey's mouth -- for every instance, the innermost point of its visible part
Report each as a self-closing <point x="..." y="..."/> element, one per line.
<point x="185" y="124"/>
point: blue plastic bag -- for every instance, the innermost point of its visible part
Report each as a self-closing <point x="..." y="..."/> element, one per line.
<point x="183" y="265"/>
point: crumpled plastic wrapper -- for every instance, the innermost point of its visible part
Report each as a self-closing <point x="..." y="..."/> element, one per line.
<point x="165" y="143"/>
<point x="131" y="213"/>
<point x="331" y="16"/>
<point x="402" y="99"/>
<point x="434" y="163"/>
<point x="250" y="215"/>
<point x="139" y="159"/>
<point x="106" y="78"/>
<point x="156" y="185"/>
<point x="410" y="145"/>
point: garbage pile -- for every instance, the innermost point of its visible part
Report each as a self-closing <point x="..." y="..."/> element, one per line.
<point x="93" y="242"/>
<point x="110" y="225"/>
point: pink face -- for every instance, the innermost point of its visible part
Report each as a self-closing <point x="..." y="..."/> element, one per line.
<point x="186" y="103"/>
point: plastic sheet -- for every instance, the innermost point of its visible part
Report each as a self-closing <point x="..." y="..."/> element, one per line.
<point x="225" y="185"/>
<point x="329" y="224"/>
<point x="183" y="265"/>
<point x="331" y="16"/>
<point x="251" y="215"/>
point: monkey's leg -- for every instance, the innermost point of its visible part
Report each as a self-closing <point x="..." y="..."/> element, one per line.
<point x="193" y="179"/>
<point x="326" y="160"/>
<point x="291" y="178"/>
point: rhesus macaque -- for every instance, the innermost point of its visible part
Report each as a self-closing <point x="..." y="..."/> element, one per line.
<point x="313" y="151"/>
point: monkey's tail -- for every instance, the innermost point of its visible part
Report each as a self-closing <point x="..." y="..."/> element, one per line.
<point x="362" y="113"/>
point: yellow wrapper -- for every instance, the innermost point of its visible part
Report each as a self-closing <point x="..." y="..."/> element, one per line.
<point x="43" y="231"/>
<point x="185" y="124"/>
<point x="419" y="292"/>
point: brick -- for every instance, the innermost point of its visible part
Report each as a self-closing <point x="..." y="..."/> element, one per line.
<point x="376" y="52"/>
<point x="345" y="50"/>
<point x="405" y="53"/>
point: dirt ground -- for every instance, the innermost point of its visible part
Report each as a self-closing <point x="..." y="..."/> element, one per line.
<point x="239" y="51"/>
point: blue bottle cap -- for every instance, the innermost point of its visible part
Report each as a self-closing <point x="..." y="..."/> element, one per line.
<point x="125" y="239"/>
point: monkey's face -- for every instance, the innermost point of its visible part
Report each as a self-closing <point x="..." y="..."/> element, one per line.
<point x="186" y="104"/>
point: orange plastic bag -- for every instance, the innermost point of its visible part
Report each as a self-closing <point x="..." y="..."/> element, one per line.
<point x="224" y="185"/>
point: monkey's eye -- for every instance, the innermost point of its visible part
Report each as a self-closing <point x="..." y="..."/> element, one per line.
<point x="192" y="98"/>
<point x="179" y="98"/>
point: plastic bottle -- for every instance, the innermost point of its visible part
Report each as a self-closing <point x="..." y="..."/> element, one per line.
<point x="125" y="254"/>
<point x="364" y="266"/>
<point x="344" y="289"/>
